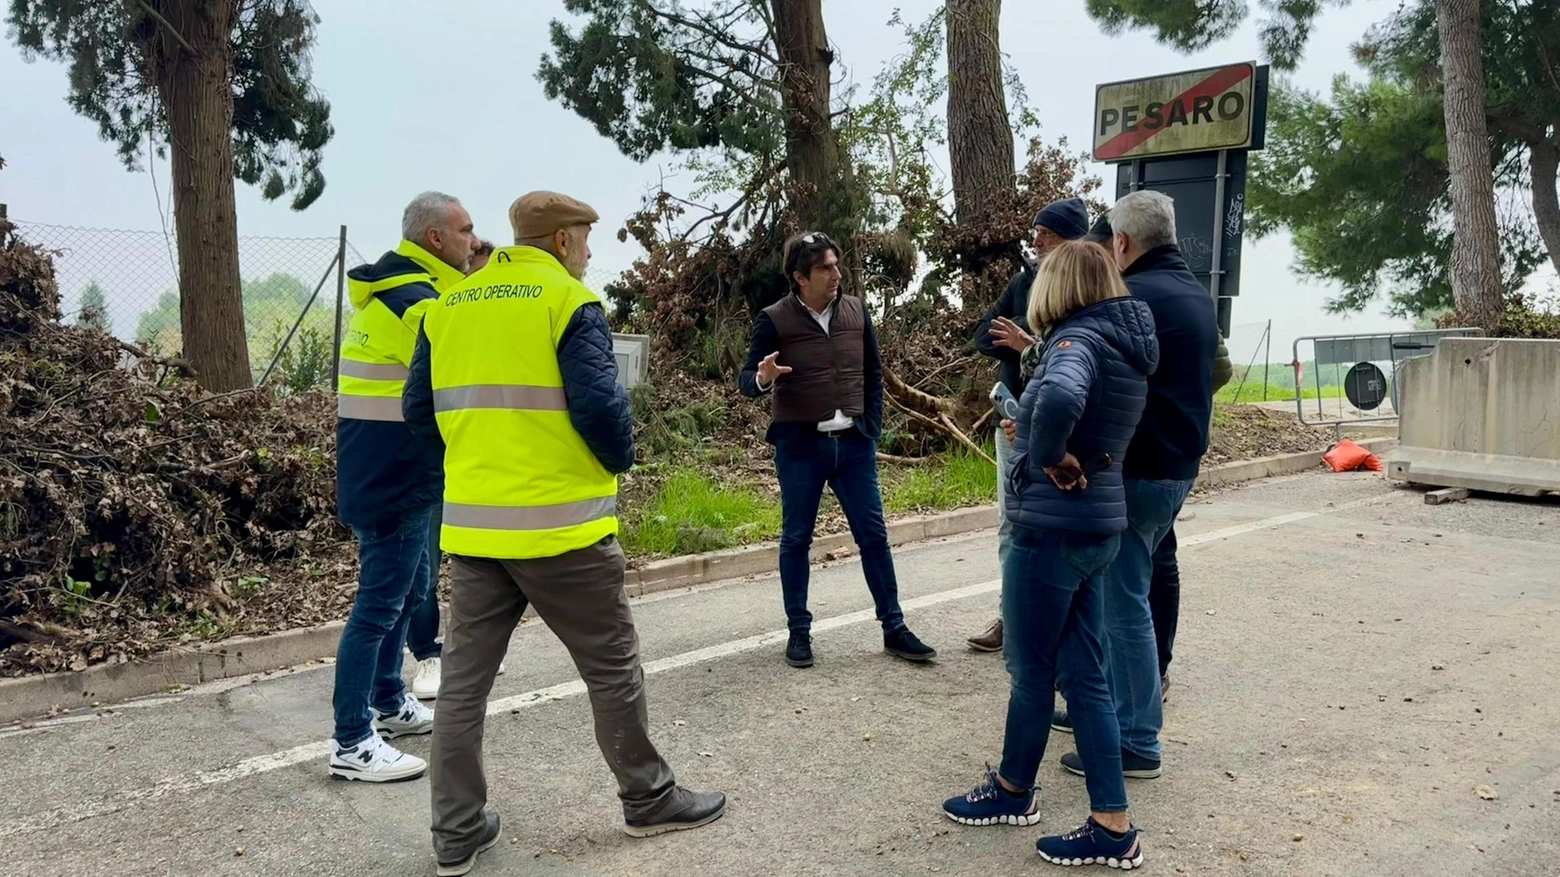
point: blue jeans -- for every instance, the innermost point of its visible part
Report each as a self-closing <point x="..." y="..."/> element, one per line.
<point x="393" y="560"/>
<point x="1164" y="599"/>
<point x="1052" y="603"/>
<point x="1132" y="654"/>
<point x="422" y="633"/>
<point x="804" y="463"/>
<point x="1004" y="526"/>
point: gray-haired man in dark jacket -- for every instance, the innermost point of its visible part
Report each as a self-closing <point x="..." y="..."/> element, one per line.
<point x="1161" y="465"/>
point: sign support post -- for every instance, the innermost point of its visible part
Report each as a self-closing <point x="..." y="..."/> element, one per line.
<point x="1216" y="270"/>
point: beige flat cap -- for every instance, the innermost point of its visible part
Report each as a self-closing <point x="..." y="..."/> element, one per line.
<point x="539" y="214"/>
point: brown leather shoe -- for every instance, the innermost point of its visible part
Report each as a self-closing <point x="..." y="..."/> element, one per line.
<point x="990" y="641"/>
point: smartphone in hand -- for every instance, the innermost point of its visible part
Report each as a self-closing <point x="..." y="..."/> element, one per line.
<point x="1006" y="402"/>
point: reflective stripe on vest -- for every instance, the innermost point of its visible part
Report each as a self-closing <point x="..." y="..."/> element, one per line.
<point x="511" y="396"/>
<point x="519" y="480"/>
<point x="374" y="371"/>
<point x="386" y="408"/>
<point x="497" y="517"/>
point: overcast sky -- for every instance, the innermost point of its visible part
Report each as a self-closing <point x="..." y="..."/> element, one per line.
<point x="469" y="117"/>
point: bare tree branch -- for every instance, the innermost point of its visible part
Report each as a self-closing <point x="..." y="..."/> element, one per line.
<point x="718" y="36"/>
<point x="169" y="25"/>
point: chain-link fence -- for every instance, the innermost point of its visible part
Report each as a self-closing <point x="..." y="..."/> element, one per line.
<point x="126" y="282"/>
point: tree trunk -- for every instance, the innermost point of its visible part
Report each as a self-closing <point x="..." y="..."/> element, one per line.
<point x="812" y="151"/>
<point x="193" y="69"/>
<point x="1544" y="165"/>
<point x="980" y="139"/>
<point x="1476" y="279"/>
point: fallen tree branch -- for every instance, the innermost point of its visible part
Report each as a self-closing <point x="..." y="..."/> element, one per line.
<point x="903" y="461"/>
<point x="983" y="418"/>
<point x="946" y="426"/>
<point x="956" y="363"/>
<point x="171" y="362"/>
<point x="27" y="634"/>
<point x="968" y="442"/>
<point x="910" y="395"/>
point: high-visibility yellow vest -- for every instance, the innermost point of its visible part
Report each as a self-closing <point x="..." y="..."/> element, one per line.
<point x="519" y="480"/>
<point x="377" y="348"/>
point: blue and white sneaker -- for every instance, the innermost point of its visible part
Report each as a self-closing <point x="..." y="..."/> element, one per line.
<point x="1092" y="845"/>
<point x="411" y="718"/>
<point x="990" y="804"/>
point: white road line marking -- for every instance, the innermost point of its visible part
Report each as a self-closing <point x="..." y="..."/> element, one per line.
<point x="1278" y="521"/>
<point x="320" y="751"/>
<point x="263" y="764"/>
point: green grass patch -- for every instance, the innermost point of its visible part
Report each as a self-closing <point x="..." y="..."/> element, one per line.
<point x="1235" y="392"/>
<point x="691" y="513"/>
<point x="952" y="481"/>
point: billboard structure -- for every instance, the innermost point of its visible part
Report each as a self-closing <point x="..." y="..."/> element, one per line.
<point x="1187" y="135"/>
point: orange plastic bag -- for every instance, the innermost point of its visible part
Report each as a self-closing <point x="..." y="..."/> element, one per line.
<point x="1346" y="456"/>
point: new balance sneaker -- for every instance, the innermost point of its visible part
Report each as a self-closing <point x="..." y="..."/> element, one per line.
<point x="798" y="652"/>
<point x="902" y="643"/>
<point x="685" y="810"/>
<point x="991" y="804"/>
<point x="1133" y="767"/>
<point x="425" y="685"/>
<point x="1093" y="845"/>
<point x="490" y="835"/>
<point x="1061" y="721"/>
<point x="413" y="718"/>
<point x="374" y="761"/>
<point x="990" y="641"/>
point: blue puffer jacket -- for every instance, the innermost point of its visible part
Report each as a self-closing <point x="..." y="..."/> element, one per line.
<point x="1085" y="399"/>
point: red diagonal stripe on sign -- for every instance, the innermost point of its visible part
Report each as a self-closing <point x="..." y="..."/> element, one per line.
<point x="1215" y="85"/>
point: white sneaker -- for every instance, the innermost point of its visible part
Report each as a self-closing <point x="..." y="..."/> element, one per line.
<point x="413" y="718"/>
<point x="374" y="761"/>
<point x="425" y="685"/>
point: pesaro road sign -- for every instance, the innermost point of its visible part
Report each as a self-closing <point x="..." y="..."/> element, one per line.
<point x="1187" y="135"/>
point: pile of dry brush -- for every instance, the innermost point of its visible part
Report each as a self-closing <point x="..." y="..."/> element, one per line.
<point x="129" y="496"/>
<point x="696" y="291"/>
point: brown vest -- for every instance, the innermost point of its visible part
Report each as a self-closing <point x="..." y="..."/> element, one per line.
<point x="826" y="369"/>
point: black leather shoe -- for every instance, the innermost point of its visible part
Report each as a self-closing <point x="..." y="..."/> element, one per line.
<point x="490" y="836"/>
<point x="686" y="810"/>
<point x="902" y="643"/>
<point x="1133" y="767"/>
<point x="798" y="652"/>
<point x="1061" y="721"/>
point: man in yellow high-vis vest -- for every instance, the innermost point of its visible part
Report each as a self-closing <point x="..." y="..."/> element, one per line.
<point x="515" y="378"/>
<point x="387" y="483"/>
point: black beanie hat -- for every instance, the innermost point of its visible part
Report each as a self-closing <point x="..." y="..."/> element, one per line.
<point x="1067" y="217"/>
<point x="1101" y="231"/>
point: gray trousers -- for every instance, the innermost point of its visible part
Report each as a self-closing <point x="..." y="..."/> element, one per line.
<point x="580" y="596"/>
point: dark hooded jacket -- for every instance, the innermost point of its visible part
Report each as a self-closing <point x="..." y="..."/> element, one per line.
<point x="382" y="469"/>
<point x="1085" y="399"/>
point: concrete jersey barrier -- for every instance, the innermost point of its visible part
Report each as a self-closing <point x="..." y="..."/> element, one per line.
<point x="1481" y="413"/>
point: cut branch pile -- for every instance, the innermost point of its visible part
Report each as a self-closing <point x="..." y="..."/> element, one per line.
<point x="128" y="496"/>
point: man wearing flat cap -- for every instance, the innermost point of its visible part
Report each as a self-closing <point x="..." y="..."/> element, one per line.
<point x="514" y="378"/>
<point x="1003" y="334"/>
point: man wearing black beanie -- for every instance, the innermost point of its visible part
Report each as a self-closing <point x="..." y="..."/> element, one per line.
<point x="1003" y="334"/>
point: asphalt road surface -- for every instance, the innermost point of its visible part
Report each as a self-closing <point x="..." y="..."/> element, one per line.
<point x="1363" y="685"/>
